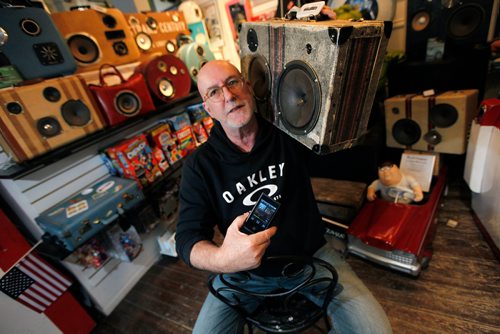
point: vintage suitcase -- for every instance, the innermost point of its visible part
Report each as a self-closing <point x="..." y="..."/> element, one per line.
<point x="40" y="117"/>
<point x="315" y="80"/>
<point x="436" y="123"/>
<point x="77" y="219"/>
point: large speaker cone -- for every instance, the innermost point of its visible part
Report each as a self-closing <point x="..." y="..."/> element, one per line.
<point x="48" y="127"/>
<point x="127" y="103"/>
<point x="443" y="115"/>
<point x="406" y="132"/>
<point x="259" y="76"/>
<point x="84" y="49"/>
<point x="299" y="97"/>
<point x="75" y="113"/>
<point x="465" y="21"/>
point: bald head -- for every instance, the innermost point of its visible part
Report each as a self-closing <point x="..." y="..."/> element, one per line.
<point x="209" y="69"/>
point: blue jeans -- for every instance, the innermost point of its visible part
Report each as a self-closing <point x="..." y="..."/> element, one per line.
<point x="352" y="310"/>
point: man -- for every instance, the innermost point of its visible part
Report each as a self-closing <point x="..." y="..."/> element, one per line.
<point x="244" y="156"/>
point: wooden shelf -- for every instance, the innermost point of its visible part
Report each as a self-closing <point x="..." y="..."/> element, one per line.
<point x="171" y="109"/>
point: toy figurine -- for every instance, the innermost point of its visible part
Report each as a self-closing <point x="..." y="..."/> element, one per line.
<point x="394" y="186"/>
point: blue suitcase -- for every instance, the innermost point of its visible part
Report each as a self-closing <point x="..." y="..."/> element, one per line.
<point x="79" y="218"/>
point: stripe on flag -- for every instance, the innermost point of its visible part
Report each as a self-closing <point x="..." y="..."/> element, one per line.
<point x="34" y="283"/>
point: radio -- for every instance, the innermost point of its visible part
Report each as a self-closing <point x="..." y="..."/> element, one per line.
<point x="31" y="42"/>
<point x="97" y="37"/>
<point x="39" y="117"/>
<point x="157" y="32"/>
<point x="316" y="81"/>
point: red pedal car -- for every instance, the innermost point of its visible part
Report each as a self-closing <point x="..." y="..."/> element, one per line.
<point x="395" y="235"/>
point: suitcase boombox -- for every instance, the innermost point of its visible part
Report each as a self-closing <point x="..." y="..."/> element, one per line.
<point x="79" y="218"/>
<point x="32" y="44"/>
<point x="97" y="37"/>
<point x="37" y="118"/>
<point x="315" y="80"/>
<point x="156" y="33"/>
<point x="438" y="123"/>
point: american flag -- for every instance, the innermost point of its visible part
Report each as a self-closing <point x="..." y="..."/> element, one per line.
<point x="34" y="283"/>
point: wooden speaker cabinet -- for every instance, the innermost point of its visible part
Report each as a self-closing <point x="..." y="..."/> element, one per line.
<point x="37" y="118"/>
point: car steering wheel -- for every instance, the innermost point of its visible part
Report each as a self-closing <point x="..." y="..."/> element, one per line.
<point x="398" y="193"/>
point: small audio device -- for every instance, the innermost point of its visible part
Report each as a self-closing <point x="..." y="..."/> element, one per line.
<point x="261" y="216"/>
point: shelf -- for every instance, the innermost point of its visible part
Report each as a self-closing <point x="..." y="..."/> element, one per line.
<point x="171" y="109"/>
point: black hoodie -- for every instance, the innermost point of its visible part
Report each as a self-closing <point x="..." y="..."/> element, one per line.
<point x="219" y="183"/>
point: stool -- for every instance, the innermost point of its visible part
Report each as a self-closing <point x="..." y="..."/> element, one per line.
<point x="282" y="310"/>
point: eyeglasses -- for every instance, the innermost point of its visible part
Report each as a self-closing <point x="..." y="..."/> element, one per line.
<point x="216" y="94"/>
<point x="385" y="167"/>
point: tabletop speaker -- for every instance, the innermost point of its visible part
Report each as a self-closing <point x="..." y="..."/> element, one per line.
<point x="195" y="55"/>
<point x="456" y="24"/>
<point x="37" y="118"/>
<point x="316" y="81"/>
<point x="97" y="37"/>
<point x="438" y="123"/>
<point x="31" y="42"/>
<point x="157" y="32"/>
<point x="167" y="78"/>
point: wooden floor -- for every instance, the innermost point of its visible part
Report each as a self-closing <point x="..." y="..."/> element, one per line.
<point x="458" y="293"/>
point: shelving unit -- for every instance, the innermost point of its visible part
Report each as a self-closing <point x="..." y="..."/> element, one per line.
<point x="32" y="187"/>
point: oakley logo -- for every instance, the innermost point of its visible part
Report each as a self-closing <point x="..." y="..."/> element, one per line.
<point x="251" y="199"/>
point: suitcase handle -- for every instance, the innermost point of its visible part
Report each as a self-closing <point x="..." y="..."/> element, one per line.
<point x="112" y="218"/>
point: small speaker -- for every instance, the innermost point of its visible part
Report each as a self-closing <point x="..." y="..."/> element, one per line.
<point x="31" y="42"/>
<point x="97" y="37"/>
<point x="167" y="78"/>
<point x="195" y="55"/>
<point x="437" y="123"/>
<point x="37" y="118"/>
<point x="156" y="33"/>
<point x="316" y="81"/>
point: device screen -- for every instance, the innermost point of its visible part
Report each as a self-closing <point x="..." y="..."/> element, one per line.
<point x="261" y="216"/>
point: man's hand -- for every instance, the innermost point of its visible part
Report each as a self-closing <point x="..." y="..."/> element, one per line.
<point x="239" y="251"/>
